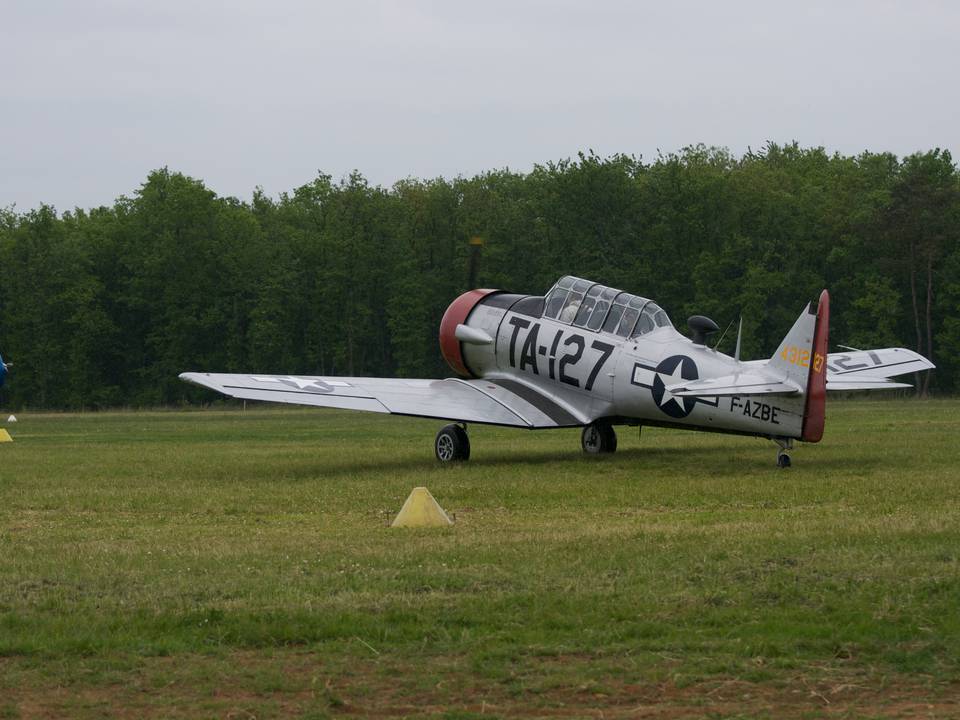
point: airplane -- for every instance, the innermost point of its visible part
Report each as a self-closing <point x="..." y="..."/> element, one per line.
<point x="590" y="356"/>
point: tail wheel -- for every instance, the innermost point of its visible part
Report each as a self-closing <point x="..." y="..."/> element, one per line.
<point x="452" y="444"/>
<point x="598" y="438"/>
<point x="783" y="455"/>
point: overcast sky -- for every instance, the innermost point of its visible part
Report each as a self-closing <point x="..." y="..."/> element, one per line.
<point x="95" y="94"/>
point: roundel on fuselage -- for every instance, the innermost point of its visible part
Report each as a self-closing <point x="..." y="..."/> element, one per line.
<point x="670" y="371"/>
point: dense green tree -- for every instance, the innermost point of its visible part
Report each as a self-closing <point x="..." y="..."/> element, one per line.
<point x="922" y="220"/>
<point x="54" y="320"/>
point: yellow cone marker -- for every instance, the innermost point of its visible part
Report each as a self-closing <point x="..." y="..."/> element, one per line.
<point x="421" y="510"/>
<point x="5" y="436"/>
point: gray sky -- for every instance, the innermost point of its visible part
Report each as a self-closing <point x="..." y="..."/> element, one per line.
<point x="97" y="93"/>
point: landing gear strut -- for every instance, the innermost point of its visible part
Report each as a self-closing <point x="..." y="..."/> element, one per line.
<point x="452" y="444"/>
<point x="597" y="438"/>
<point x="783" y="455"/>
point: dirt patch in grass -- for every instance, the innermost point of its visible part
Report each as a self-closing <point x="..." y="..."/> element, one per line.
<point x="308" y="684"/>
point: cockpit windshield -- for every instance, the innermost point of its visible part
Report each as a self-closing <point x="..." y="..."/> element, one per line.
<point x="593" y="306"/>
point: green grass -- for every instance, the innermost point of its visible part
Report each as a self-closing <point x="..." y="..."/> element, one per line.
<point x="227" y="563"/>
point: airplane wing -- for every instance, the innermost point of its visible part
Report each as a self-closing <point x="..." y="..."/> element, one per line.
<point x="491" y="402"/>
<point x="872" y="369"/>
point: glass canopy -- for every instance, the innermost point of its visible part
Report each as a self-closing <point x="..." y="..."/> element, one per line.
<point x="589" y="305"/>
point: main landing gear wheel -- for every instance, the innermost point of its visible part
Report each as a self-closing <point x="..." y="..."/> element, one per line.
<point x="598" y="438"/>
<point x="452" y="444"/>
<point x="783" y="459"/>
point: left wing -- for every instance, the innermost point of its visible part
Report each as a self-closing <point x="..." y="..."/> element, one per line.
<point x="492" y="402"/>
<point x="872" y="369"/>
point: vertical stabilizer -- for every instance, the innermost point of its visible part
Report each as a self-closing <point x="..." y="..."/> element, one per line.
<point x="802" y="360"/>
<point x="792" y="358"/>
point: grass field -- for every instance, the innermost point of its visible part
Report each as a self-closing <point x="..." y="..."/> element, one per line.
<point x="239" y="564"/>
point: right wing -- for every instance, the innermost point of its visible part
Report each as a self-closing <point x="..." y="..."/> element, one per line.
<point x="492" y="402"/>
<point x="872" y="369"/>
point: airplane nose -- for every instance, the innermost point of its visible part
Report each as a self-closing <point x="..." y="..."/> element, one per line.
<point x="457" y="314"/>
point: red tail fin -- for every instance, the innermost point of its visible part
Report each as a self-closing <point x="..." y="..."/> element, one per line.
<point x="814" y="412"/>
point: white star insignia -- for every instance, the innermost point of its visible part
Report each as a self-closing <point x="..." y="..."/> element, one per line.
<point x="301" y="383"/>
<point x="671" y="379"/>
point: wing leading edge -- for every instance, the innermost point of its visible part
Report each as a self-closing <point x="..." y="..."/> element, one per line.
<point x="490" y="402"/>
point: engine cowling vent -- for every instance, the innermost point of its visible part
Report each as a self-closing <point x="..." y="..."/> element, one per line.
<point x="702" y="327"/>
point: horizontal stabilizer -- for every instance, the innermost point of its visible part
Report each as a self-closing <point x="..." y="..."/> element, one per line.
<point x="745" y="383"/>
<point x="888" y="362"/>
<point x="864" y="384"/>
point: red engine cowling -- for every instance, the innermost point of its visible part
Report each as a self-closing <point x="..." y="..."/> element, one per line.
<point x="458" y="313"/>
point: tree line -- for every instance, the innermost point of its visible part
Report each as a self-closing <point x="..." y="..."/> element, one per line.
<point x="104" y="307"/>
